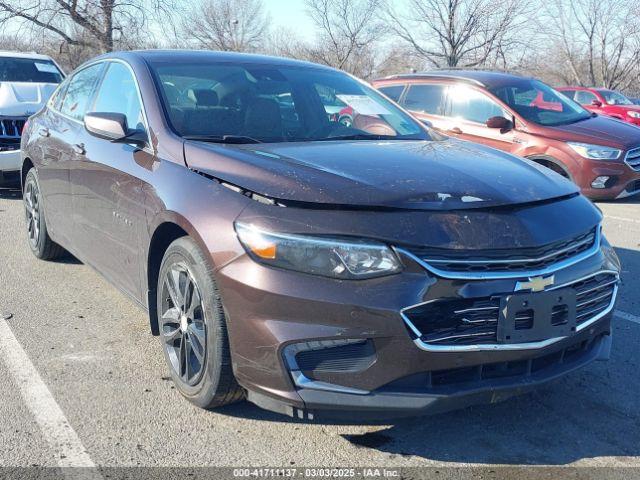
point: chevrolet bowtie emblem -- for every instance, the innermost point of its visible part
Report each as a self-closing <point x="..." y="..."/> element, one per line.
<point x="535" y="284"/>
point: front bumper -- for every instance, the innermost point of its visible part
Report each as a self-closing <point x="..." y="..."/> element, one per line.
<point x="416" y="395"/>
<point x="10" y="164"/>
<point x="10" y="161"/>
<point x="270" y="310"/>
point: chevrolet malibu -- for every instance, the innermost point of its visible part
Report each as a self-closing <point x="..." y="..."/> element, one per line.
<point x="317" y="269"/>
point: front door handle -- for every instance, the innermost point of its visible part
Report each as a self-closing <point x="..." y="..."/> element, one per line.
<point x="455" y="130"/>
<point x="44" y="132"/>
<point x="78" y="148"/>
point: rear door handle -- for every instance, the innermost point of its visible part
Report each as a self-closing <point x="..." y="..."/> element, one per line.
<point x="44" y="132"/>
<point x="78" y="148"/>
<point x="455" y="130"/>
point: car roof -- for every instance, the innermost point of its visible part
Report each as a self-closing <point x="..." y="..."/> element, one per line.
<point x="209" y="55"/>
<point x="483" y="78"/>
<point x="32" y="55"/>
<point x="577" y="88"/>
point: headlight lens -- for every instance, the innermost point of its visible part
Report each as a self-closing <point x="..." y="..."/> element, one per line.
<point x="595" y="152"/>
<point x="633" y="114"/>
<point x="328" y="257"/>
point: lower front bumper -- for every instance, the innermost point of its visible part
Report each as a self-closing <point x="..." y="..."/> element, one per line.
<point x="407" y="398"/>
<point x="10" y="163"/>
<point x="624" y="180"/>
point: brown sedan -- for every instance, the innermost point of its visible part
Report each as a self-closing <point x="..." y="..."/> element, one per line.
<point x="316" y="268"/>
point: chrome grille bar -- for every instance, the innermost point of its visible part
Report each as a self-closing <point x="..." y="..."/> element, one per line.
<point x="524" y="271"/>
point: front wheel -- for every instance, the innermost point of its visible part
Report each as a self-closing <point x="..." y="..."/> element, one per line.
<point x="39" y="240"/>
<point x="193" y="328"/>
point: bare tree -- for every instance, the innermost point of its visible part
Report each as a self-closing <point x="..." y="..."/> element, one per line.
<point x="347" y="33"/>
<point x="14" y="42"/>
<point x="230" y="25"/>
<point x="83" y="23"/>
<point x="598" y="42"/>
<point x="451" y="33"/>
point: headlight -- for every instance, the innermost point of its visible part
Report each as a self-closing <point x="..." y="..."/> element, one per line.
<point x="329" y="257"/>
<point x="633" y="114"/>
<point x="595" y="152"/>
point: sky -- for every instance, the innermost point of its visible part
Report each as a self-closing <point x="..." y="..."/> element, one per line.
<point x="290" y="14"/>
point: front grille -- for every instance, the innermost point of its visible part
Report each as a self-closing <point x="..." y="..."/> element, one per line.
<point x="633" y="158"/>
<point x="11" y="128"/>
<point x="454" y="322"/>
<point x="508" y="259"/>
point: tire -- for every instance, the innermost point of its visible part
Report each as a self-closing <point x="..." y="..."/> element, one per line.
<point x="194" y="337"/>
<point x="37" y="234"/>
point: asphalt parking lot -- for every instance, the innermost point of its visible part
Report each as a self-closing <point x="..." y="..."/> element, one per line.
<point x="108" y="400"/>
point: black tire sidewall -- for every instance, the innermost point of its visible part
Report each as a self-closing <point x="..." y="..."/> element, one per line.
<point x="185" y="250"/>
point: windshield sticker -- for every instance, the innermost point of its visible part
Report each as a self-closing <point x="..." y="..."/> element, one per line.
<point x="364" y="105"/>
<point x="46" y="67"/>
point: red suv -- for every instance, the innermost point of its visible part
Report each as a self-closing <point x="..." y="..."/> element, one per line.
<point x="528" y="118"/>
<point x="606" y="102"/>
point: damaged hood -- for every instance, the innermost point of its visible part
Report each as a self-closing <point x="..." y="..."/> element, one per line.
<point x="23" y="99"/>
<point x="404" y="174"/>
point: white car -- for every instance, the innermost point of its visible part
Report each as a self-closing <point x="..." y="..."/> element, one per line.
<point x="27" y="80"/>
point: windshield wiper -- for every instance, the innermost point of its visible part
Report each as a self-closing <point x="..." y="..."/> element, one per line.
<point x="360" y="136"/>
<point x="233" y="139"/>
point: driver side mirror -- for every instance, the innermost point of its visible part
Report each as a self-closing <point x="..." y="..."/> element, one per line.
<point x="113" y="126"/>
<point x="108" y="126"/>
<point x="500" y="122"/>
<point x="596" y="103"/>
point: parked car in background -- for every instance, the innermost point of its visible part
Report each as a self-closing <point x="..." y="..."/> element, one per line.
<point x="27" y="80"/>
<point x="319" y="269"/>
<point x="528" y="118"/>
<point x="605" y="102"/>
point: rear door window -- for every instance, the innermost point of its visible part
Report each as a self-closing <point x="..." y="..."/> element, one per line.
<point x="80" y="90"/>
<point x="470" y="104"/>
<point x="392" y="91"/>
<point x="425" y="98"/>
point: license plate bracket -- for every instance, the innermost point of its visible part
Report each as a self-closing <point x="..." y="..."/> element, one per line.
<point x="529" y="317"/>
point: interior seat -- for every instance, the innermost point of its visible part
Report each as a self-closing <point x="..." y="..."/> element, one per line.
<point x="263" y="119"/>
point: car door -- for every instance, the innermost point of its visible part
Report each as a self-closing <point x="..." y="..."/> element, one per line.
<point x="61" y="123"/>
<point x="467" y="110"/>
<point x="108" y="193"/>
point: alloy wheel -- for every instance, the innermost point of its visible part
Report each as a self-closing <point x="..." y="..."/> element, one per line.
<point x="183" y="326"/>
<point x="32" y="211"/>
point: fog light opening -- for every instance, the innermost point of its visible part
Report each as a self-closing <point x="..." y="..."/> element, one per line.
<point x="601" y="182"/>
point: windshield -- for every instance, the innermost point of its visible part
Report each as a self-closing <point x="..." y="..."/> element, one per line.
<point x="615" y="98"/>
<point x="268" y="103"/>
<point x="29" y="70"/>
<point x="539" y="103"/>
